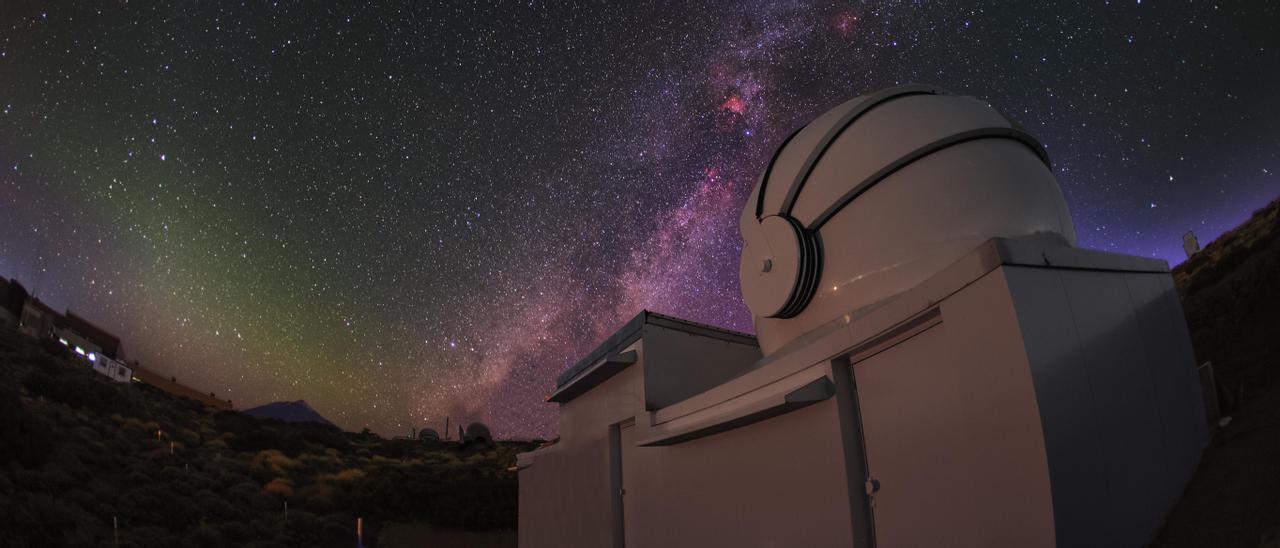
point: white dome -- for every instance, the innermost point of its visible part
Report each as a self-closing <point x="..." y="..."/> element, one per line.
<point x="881" y="192"/>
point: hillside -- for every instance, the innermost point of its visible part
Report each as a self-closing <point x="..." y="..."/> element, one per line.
<point x="1230" y="293"/>
<point x="78" y="452"/>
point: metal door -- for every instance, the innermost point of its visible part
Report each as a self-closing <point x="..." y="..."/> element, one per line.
<point x="915" y="480"/>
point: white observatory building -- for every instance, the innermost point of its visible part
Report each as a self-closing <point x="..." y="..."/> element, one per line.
<point x="937" y="365"/>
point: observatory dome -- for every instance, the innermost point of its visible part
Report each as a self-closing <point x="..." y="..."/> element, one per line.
<point x="477" y="431"/>
<point x="879" y="193"/>
<point x="428" y="434"/>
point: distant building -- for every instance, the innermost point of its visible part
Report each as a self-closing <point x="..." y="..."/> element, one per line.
<point x="84" y="334"/>
<point x="115" y="370"/>
<point x="38" y="319"/>
<point x="94" y="345"/>
<point x="99" y="348"/>
<point x="428" y="434"/>
<point x="477" y="434"/>
<point x="1190" y="243"/>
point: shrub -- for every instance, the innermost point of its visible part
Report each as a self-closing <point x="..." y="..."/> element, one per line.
<point x="235" y="422"/>
<point x="24" y="437"/>
<point x="280" y="488"/>
<point x="326" y="436"/>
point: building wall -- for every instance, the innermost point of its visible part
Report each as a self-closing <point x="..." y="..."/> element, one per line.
<point x="952" y="432"/>
<point x="566" y="496"/>
<point x="1118" y="395"/>
<point x="776" y="483"/>
<point x="37" y="321"/>
<point x="1039" y="407"/>
<point x="682" y="364"/>
<point x="75" y="340"/>
<point x="112" y="369"/>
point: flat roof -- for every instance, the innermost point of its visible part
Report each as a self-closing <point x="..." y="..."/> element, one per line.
<point x="624" y="337"/>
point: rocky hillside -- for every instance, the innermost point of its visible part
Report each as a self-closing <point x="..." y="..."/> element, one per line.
<point x="1231" y="296"/>
<point x="1230" y="292"/>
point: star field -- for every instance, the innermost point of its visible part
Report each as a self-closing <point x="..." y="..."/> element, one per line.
<point x="404" y="211"/>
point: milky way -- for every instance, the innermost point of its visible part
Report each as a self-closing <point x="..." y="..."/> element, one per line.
<point x="401" y="212"/>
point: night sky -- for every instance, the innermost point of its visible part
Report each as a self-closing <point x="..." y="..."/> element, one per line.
<point x="402" y="211"/>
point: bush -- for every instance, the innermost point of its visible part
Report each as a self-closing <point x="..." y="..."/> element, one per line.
<point x="397" y="449"/>
<point x="235" y="422"/>
<point x="287" y="442"/>
<point x="280" y="488"/>
<point x="327" y="436"/>
<point x="24" y="436"/>
<point x="47" y="519"/>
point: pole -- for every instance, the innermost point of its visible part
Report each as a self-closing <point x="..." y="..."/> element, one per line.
<point x="359" y="531"/>
<point x="286" y="509"/>
<point x="115" y="530"/>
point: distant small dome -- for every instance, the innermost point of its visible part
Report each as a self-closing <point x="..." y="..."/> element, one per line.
<point x="477" y="431"/>
<point x="878" y="194"/>
<point x="427" y="434"/>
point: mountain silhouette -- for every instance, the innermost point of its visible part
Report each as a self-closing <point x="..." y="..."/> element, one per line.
<point x="288" y="411"/>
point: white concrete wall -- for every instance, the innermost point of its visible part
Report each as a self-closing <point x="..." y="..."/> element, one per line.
<point x="952" y="432"/>
<point x="1118" y="396"/>
<point x="566" y="495"/>
<point x="681" y="364"/>
<point x="1048" y="406"/>
<point x="777" y="483"/>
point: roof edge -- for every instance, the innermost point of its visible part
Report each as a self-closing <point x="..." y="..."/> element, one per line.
<point x="630" y="333"/>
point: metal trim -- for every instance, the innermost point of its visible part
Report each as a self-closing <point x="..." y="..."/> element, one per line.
<point x="817" y="390"/>
<point x="862" y="514"/>
<point x="898" y="333"/>
<point x="632" y="332"/>
<point x="764" y="177"/>
<point x="810" y="271"/>
<point x="616" y="501"/>
<point x="593" y="376"/>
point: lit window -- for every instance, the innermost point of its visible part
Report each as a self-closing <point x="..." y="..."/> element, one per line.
<point x="79" y="351"/>
<point x="64" y="342"/>
<point x="93" y="357"/>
